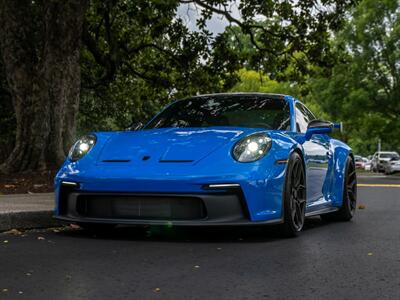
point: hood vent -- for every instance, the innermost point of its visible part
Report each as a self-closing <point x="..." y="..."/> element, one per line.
<point x="116" y="160"/>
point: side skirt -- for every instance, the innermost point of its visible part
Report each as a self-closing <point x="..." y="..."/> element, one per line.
<point x="321" y="211"/>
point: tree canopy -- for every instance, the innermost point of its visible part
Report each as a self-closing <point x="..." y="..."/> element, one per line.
<point x="132" y="57"/>
<point x="362" y="88"/>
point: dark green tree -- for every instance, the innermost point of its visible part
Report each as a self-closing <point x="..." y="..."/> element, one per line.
<point x="363" y="88"/>
<point x="136" y="56"/>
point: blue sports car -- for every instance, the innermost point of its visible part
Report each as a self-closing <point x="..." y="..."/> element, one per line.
<point x="217" y="159"/>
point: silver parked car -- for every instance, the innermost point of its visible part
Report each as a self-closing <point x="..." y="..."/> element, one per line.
<point x="382" y="159"/>
<point x="392" y="166"/>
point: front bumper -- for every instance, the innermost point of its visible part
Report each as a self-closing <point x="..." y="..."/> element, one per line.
<point x="394" y="168"/>
<point x="225" y="208"/>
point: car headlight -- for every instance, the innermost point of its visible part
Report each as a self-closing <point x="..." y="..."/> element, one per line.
<point x="252" y="147"/>
<point x="82" y="147"/>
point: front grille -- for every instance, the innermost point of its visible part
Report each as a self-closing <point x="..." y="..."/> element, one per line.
<point x="140" y="207"/>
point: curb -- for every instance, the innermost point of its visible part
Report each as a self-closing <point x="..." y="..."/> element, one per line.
<point x="27" y="220"/>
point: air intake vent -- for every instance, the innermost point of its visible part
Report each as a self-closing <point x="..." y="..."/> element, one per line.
<point x="141" y="207"/>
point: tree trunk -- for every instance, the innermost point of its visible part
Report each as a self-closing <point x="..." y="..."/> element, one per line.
<point x="43" y="73"/>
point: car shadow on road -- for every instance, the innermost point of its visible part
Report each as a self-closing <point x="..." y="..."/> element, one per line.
<point x="232" y="234"/>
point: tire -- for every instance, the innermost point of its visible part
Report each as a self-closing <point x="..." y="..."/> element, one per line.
<point x="348" y="208"/>
<point x="294" y="197"/>
<point x="97" y="227"/>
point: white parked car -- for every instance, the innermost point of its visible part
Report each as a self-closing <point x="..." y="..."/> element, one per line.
<point x="380" y="160"/>
<point x="367" y="164"/>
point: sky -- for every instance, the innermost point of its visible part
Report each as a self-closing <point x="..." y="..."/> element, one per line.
<point x="190" y="13"/>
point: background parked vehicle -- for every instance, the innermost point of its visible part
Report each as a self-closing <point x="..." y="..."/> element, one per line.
<point x="362" y="163"/>
<point x="392" y="166"/>
<point x="367" y="164"/>
<point x="380" y="159"/>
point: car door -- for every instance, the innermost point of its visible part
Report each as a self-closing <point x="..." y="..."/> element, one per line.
<point x="317" y="154"/>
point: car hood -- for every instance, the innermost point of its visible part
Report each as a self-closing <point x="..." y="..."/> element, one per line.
<point x="186" y="145"/>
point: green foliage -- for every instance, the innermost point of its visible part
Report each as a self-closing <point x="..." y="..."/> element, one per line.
<point x="363" y="89"/>
<point x="253" y="81"/>
<point x="291" y="34"/>
<point x="137" y="57"/>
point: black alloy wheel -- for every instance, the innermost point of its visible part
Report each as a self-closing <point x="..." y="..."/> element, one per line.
<point x="349" y="205"/>
<point x="294" y="197"/>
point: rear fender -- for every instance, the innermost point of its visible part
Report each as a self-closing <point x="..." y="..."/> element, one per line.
<point x="340" y="155"/>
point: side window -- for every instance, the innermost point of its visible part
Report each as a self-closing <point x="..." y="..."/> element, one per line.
<point x="303" y="117"/>
<point x="301" y="120"/>
<point x="308" y="113"/>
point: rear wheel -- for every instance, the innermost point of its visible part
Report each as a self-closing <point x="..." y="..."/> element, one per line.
<point x="294" y="197"/>
<point x="346" y="212"/>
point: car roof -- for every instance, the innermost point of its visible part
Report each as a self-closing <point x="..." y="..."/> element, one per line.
<point x="241" y="94"/>
<point x="387" y="152"/>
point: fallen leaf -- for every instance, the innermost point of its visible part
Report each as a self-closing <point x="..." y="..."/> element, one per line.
<point x="370" y="253"/>
<point x="74" y="226"/>
<point x="20" y="292"/>
<point x="5" y="242"/>
<point x="361" y="206"/>
<point x="56" y="230"/>
<point x="28" y="274"/>
<point x="37" y="186"/>
<point x="40" y="238"/>
<point x="157" y="290"/>
<point x="4" y="290"/>
<point x="219" y="249"/>
<point x="14" y="232"/>
<point x="196" y="267"/>
<point x="9" y="186"/>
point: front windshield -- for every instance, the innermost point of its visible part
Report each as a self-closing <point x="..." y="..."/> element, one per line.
<point x="389" y="155"/>
<point x="235" y="111"/>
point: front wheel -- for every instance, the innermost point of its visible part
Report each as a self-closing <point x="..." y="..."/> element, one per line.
<point x="294" y="197"/>
<point x="348" y="208"/>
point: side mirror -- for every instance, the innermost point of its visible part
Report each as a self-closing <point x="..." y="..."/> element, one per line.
<point x="319" y="127"/>
<point x="135" y="126"/>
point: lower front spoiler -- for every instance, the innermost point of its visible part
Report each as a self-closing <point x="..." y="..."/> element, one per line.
<point x="205" y="209"/>
<point x="185" y="223"/>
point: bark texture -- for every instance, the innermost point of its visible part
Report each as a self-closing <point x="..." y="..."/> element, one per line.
<point x="40" y="44"/>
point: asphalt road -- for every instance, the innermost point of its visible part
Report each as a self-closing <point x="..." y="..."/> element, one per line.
<point x="354" y="260"/>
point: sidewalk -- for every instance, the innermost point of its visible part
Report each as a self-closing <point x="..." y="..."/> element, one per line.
<point x="26" y="211"/>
